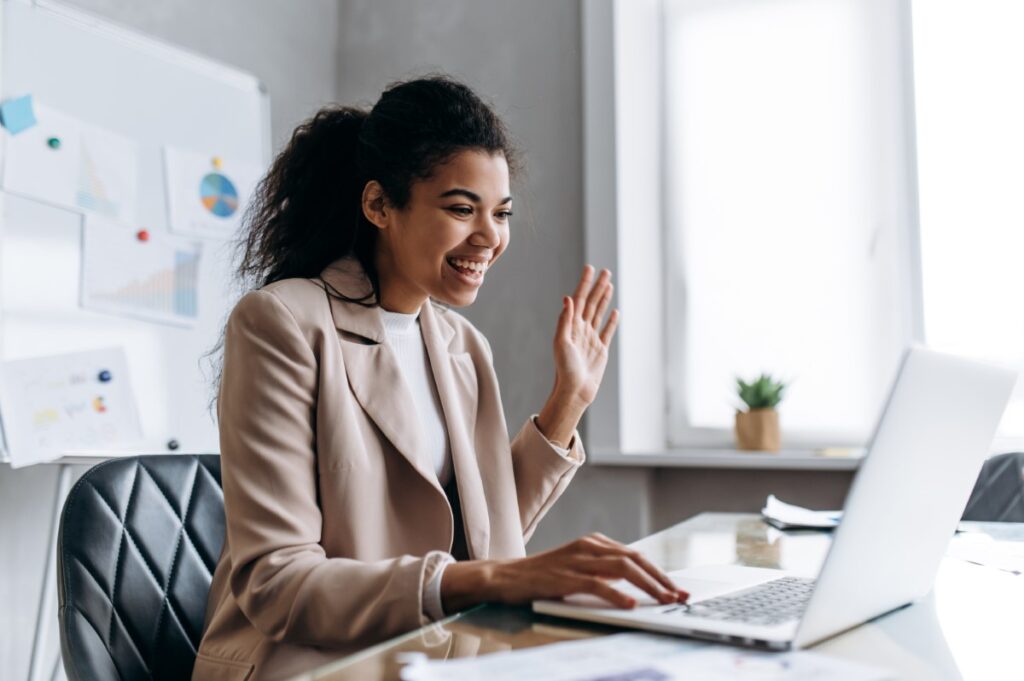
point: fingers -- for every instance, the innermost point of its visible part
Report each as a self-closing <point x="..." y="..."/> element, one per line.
<point x="624" y="567"/>
<point x="599" y="587"/>
<point x="595" y="296"/>
<point x="615" y="548"/>
<point x="606" y="298"/>
<point x="564" y="328"/>
<point x="609" y="329"/>
<point x="579" y="296"/>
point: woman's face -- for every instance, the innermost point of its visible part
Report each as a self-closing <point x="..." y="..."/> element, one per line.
<point x="454" y="227"/>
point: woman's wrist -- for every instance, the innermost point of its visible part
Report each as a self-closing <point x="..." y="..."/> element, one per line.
<point x="560" y="416"/>
<point x="467" y="583"/>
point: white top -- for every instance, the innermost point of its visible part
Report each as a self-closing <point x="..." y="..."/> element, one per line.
<point x="406" y="339"/>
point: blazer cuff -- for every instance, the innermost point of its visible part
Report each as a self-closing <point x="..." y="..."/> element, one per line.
<point x="432" y="608"/>
<point x="568" y="453"/>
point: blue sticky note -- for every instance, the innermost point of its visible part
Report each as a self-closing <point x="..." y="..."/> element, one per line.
<point x="17" y="114"/>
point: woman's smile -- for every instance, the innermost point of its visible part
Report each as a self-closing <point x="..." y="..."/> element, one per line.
<point x="470" y="272"/>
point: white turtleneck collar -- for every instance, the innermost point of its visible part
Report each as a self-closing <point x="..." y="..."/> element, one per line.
<point x="399" y="323"/>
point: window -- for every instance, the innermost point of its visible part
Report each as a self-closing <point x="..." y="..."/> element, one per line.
<point x="787" y="218"/>
<point x="970" y="141"/>
<point x="831" y="181"/>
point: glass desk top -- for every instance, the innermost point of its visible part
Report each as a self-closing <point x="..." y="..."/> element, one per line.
<point x="971" y="626"/>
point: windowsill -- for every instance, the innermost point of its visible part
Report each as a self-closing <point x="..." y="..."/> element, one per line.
<point x="786" y="459"/>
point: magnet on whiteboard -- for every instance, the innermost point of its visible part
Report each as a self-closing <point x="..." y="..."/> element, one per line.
<point x="53" y="143"/>
<point x="172" y="444"/>
<point x="142" y="235"/>
<point x="104" y="376"/>
<point x="218" y="163"/>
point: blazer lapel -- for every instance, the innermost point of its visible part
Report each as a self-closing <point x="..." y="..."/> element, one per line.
<point x="378" y="385"/>
<point x="374" y="375"/>
<point x="456" y="382"/>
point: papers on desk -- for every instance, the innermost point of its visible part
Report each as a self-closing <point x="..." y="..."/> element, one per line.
<point x="641" y="657"/>
<point x="789" y="517"/>
<point x="982" y="549"/>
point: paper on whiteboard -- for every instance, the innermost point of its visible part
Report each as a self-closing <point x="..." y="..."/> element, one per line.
<point x="156" y="280"/>
<point x="641" y="657"/>
<point x="54" y="405"/>
<point x="68" y="163"/>
<point x="207" y="194"/>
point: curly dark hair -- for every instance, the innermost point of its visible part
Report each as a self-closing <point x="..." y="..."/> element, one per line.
<point x="307" y="211"/>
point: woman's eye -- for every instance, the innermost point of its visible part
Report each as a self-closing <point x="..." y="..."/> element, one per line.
<point x="464" y="211"/>
<point x="504" y="214"/>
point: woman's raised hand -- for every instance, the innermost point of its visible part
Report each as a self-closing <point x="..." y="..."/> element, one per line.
<point x="582" y="336"/>
<point x="585" y="566"/>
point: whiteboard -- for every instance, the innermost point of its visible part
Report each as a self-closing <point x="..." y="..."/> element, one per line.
<point x="156" y="94"/>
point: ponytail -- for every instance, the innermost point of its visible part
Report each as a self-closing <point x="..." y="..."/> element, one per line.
<point x="307" y="212"/>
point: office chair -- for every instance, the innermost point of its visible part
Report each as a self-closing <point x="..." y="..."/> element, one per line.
<point x="999" y="493"/>
<point x="139" y="539"/>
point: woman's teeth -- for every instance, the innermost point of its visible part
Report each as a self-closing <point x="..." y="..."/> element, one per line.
<point x="468" y="265"/>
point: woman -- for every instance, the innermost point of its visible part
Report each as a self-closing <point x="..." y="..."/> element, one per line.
<point x="369" y="482"/>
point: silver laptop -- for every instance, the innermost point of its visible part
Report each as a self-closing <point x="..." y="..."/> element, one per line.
<point x="902" y="509"/>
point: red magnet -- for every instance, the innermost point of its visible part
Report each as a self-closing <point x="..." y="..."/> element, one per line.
<point x="142" y="235"/>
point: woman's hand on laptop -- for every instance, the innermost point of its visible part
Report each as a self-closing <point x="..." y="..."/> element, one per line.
<point x="583" y="566"/>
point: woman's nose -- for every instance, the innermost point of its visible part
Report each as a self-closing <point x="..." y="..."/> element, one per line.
<point x="487" y="232"/>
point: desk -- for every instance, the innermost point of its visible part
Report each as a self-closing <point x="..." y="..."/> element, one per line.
<point x="969" y="627"/>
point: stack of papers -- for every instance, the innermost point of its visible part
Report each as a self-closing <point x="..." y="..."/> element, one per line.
<point x="789" y="517"/>
<point x="641" y="657"/>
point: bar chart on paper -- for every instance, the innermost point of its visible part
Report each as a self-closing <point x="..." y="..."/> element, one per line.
<point x="154" y="279"/>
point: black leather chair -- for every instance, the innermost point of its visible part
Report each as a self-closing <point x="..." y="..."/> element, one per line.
<point x="999" y="493"/>
<point x="139" y="539"/>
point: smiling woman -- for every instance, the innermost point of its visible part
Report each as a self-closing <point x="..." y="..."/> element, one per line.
<point x="442" y="244"/>
<point x="370" y="484"/>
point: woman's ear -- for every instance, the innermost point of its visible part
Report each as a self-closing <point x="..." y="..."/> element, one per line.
<point x="375" y="204"/>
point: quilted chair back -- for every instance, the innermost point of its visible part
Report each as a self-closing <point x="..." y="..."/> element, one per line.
<point x="998" y="495"/>
<point x="139" y="539"/>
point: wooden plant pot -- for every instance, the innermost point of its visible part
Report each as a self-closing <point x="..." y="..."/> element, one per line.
<point x="758" y="429"/>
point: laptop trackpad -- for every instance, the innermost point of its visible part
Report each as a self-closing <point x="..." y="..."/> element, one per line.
<point x="703" y="582"/>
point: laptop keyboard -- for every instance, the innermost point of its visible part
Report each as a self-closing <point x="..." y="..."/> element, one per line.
<point x="774" y="602"/>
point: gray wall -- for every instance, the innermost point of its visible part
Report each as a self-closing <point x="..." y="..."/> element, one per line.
<point x="292" y="48"/>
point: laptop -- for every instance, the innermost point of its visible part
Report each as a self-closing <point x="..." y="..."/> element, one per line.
<point x="901" y="511"/>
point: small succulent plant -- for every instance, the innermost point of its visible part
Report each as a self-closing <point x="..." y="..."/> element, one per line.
<point x="763" y="393"/>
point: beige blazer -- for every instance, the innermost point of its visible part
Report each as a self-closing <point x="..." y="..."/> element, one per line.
<point x="334" y="514"/>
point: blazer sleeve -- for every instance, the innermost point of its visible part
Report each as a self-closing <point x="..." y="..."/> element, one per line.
<point x="282" y="579"/>
<point x="542" y="473"/>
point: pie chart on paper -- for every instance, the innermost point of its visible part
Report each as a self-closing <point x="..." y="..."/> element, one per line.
<point x="218" y="195"/>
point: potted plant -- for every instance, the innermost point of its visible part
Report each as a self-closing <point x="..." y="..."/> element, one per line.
<point x="757" y="428"/>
